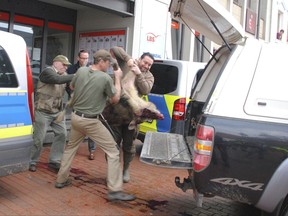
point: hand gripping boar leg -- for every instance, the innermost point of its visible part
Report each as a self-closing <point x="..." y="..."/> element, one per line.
<point x="140" y="107"/>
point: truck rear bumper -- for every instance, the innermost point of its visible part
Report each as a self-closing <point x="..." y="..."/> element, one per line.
<point x="171" y="151"/>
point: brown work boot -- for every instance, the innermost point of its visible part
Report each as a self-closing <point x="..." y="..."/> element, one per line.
<point x="91" y="156"/>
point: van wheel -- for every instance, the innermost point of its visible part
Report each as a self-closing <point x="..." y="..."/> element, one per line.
<point x="284" y="208"/>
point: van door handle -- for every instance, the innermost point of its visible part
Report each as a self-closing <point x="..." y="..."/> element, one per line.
<point x="262" y="103"/>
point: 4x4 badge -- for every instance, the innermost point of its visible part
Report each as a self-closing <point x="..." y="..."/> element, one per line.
<point x="242" y="183"/>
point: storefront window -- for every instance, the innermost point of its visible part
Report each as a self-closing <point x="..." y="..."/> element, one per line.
<point x="4" y="19"/>
<point x="59" y="41"/>
<point x="31" y="30"/>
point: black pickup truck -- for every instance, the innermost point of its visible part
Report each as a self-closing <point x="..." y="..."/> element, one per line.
<point x="235" y="143"/>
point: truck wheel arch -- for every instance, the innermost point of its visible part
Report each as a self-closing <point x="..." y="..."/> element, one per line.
<point x="276" y="191"/>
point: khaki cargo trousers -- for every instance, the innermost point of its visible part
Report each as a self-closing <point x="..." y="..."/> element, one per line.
<point x="96" y="131"/>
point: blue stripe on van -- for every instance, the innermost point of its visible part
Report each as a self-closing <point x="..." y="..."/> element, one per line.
<point x="14" y="109"/>
<point x="160" y="102"/>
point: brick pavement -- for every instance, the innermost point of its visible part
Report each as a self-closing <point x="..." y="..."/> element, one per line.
<point x="30" y="193"/>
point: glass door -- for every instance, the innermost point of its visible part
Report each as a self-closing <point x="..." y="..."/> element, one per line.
<point x="59" y="40"/>
<point x="31" y="29"/>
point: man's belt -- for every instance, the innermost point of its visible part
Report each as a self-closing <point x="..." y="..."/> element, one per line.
<point x="85" y="115"/>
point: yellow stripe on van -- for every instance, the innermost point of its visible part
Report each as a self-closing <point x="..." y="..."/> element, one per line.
<point x="15" y="131"/>
<point x="148" y="126"/>
<point x="144" y="127"/>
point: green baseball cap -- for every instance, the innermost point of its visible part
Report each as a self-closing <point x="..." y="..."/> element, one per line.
<point x="63" y="59"/>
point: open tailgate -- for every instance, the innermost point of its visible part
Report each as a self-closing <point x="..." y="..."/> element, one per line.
<point x="166" y="150"/>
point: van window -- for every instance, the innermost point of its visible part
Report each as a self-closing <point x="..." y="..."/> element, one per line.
<point x="7" y="73"/>
<point x="165" y="78"/>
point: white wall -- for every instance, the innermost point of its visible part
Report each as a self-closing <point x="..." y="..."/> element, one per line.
<point x="152" y="30"/>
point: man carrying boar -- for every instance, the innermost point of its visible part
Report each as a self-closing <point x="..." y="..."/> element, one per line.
<point x="121" y="117"/>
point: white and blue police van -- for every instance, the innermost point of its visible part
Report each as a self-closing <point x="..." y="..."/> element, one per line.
<point x="16" y="104"/>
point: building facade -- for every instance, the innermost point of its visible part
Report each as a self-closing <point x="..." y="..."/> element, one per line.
<point x="261" y="19"/>
<point x="52" y="27"/>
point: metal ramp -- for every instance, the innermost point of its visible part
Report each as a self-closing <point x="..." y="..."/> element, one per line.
<point x="166" y="150"/>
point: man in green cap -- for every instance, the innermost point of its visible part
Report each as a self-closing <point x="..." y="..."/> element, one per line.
<point x="48" y="104"/>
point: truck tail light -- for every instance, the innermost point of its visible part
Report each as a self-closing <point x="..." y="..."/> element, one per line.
<point x="179" y="109"/>
<point x="203" y="147"/>
<point x="30" y="87"/>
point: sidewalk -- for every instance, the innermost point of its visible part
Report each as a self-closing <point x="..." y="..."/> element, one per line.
<point x="31" y="193"/>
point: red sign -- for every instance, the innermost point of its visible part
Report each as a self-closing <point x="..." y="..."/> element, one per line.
<point x="174" y="25"/>
<point x="102" y="33"/>
<point x="250" y="21"/>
